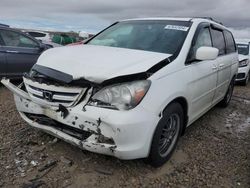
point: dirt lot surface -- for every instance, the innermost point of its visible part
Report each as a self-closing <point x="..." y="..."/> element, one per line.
<point x="214" y="152"/>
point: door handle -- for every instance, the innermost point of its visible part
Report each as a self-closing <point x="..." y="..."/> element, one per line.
<point x="12" y="51"/>
<point x="221" y="65"/>
<point x="214" y="67"/>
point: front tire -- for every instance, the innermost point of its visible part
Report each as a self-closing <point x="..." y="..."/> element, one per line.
<point x="166" y="135"/>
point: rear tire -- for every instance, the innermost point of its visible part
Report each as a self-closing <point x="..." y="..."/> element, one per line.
<point x="226" y="100"/>
<point x="166" y="135"/>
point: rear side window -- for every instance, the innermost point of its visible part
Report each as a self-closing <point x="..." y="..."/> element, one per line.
<point x="36" y="34"/>
<point x="230" y="44"/>
<point x="218" y="41"/>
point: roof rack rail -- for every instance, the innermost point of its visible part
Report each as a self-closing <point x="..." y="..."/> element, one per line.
<point x="208" y="18"/>
<point x="4" y="25"/>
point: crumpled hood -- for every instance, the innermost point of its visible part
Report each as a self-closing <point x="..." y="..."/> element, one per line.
<point x="99" y="63"/>
<point x="243" y="57"/>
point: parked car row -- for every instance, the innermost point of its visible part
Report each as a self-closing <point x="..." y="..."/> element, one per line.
<point x="44" y="37"/>
<point x="56" y="40"/>
<point x="133" y="89"/>
<point x="244" y="58"/>
<point x="18" y="51"/>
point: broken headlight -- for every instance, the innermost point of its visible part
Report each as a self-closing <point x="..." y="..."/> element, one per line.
<point x="121" y="96"/>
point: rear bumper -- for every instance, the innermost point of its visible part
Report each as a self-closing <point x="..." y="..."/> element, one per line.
<point x="122" y="134"/>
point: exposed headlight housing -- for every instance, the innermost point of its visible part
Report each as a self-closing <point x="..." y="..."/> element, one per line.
<point x="123" y="96"/>
<point x="244" y="63"/>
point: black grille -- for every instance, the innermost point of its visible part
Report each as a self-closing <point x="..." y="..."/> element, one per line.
<point x="54" y="95"/>
<point x="72" y="131"/>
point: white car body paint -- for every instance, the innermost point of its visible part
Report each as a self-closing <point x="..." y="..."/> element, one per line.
<point x="202" y="84"/>
<point x="45" y="36"/>
<point x="244" y="70"/>
<point x="109" y="63"/>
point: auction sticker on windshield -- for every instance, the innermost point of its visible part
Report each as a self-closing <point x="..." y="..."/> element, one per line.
<point x="176" y="27"/>
<point x="242" y="46"/>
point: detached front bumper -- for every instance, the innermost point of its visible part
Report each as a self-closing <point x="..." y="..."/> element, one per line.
<point x="123" y="134"/>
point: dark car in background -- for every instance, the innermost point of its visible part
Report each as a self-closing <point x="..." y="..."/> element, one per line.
<point x="18" y="52"/>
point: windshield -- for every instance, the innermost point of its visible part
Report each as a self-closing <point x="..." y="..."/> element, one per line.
<point x="162" y="36"/>
<point x="243" y="49"/>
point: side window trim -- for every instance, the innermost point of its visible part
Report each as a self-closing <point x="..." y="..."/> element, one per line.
<point x="215" y="27"/>
<point x="210" y="31"/>
<point x="20" y="33"/>
<point x="248" y="43"/>
<point x="235" y="46"/>
<point x="220" y="30"/>
<point x="226" y="42"/>
<point x="1" y="40"/>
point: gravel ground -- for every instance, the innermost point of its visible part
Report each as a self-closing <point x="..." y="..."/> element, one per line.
<point x="214" y="152"/>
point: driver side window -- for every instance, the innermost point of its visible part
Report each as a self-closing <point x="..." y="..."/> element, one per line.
<point x="15" y="39"/>
<point x="203" y="39"/>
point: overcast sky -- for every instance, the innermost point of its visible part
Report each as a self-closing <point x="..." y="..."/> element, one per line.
<point x="94" y="15"/>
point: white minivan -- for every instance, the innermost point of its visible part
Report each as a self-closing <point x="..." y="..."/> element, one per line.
<point x="132" y="89"/>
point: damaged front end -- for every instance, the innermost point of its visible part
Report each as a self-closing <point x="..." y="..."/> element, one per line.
<point x="56" y="108"/>
<point x="65" y="108"/>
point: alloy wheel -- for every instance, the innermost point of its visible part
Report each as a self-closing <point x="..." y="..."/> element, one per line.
<point x="169" y="134"/>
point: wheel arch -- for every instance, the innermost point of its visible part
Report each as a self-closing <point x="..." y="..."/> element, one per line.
<point x="183" y="102"/>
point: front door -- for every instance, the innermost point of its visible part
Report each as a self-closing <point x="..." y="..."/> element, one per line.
<point x="203" y="77"/>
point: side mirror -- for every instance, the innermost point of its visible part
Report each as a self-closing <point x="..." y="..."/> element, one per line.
<point x="206" y="53"/>
<point x="42" y="47"/>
